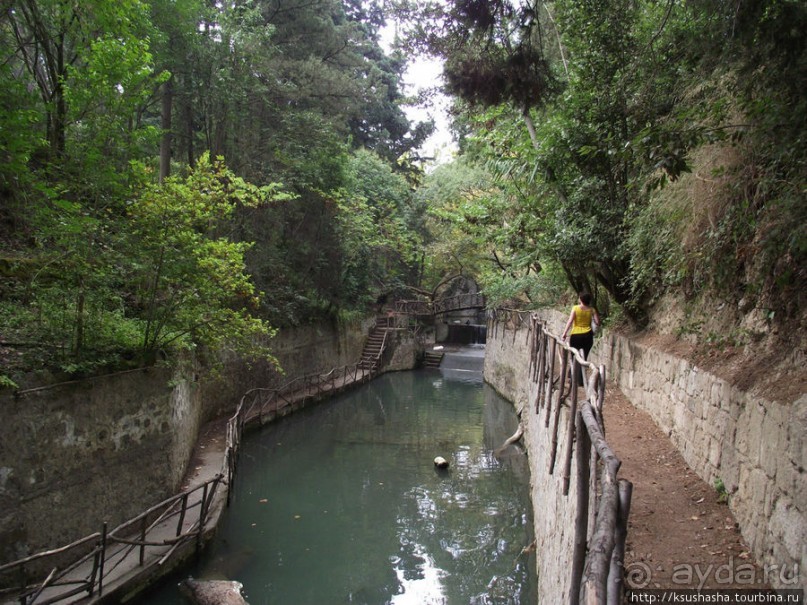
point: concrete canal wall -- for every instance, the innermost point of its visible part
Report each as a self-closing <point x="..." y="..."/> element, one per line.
<point x="76" y="454"/>
<point x="507" y="369"/>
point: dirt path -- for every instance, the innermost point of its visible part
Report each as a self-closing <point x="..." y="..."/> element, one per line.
<point x="679" y="534"/>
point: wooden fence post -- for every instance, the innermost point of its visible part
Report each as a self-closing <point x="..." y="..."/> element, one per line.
<point x="616" y="579"/>
<point x="567" y="466"/>
<point x="550" y="382"/>
<point x="102" y="560"/>
<point x="531" y="346"/>
<point x="143" y="527"/>
<point x="541" y="367"/>
<point x="594" y="585"/>
<point x="182" y="512"/>
<point x="582" y="457"/>
<point x="556" y="417"/>
<point x="202" y="515"/>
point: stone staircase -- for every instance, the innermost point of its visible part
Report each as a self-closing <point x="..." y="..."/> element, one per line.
<point x="432" y="359"/>
<point x="372" y="348"/>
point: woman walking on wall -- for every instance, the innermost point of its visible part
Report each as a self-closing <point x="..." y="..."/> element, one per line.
<point x="580" y="322"/>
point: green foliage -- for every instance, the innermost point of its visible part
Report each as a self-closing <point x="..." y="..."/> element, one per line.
<point x="456" y="239"/>
<point x="166" y="274"/>
<point x="20" y="135"/>
<point x="7" y="383"/>
<point x="544" y="289"/>
<point x="654" y="245"/>
<point x="193" y="285"/>
<point x="103" y="267"/>
<point x="722" y="493"/>
<point x="373" y="219"/>
<point x="582" y="168"/>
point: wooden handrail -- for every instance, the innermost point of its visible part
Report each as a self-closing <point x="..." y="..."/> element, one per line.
<point x="49" y="553"/>
<point x="87" y="585"/>
<point x="594" y="572"/>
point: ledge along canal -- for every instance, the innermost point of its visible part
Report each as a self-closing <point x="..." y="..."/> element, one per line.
<point x="342" y="503"/>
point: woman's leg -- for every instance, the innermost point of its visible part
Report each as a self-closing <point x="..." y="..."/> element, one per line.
<point x="582" y="342"/>
<point x="589" y="342"/>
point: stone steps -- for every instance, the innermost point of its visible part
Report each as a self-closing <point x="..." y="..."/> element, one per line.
<point x="432" y="359"/>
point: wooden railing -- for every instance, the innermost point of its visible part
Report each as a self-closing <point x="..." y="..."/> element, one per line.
<point x="443" y="305"/>
<point x="556" y="371"/>
<point x="264" y="404"/>
<point x="84" y="566"/>
<point x="97" y="557"/>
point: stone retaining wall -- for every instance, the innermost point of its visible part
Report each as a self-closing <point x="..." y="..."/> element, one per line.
<point x="756" y="447"/>
<point x="76" y="454"/>
<point x="309" y="349"/>
<point x="507" y="369"/>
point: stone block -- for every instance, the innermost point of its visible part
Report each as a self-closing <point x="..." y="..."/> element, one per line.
<point x="692" y="384"/>
<point x="715" y="454"/>
<point x="790" y="480"/>
<point x="789" y="523"/>
<point x="750" y="503"/>
<point x="696" y="406"/>
<point x="700" y="440"/>
<point x="749" y="430"/>
<point x="733" y="402"/>
<point x="796" y="431"/>
<point x="773" y="439"/>
<point x="717" y="424"/>
<point x="678" y="416"/>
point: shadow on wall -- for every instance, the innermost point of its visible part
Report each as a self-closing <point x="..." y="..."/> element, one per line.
<point x="465" y="334"/>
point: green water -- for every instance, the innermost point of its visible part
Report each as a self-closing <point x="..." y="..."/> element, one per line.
<point x="342" y="503"/>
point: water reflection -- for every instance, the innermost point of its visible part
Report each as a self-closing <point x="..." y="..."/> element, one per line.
<point x="342" y="503"/>
<point x="419" y="579"/>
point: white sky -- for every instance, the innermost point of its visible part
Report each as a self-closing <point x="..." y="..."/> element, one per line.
<point x="426" y="72"/>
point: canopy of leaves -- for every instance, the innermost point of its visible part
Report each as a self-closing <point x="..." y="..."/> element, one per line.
<point x="106" y="259"/>
<point x="582" y="112"/>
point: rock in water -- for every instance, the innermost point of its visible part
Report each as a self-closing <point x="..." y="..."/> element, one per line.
<point x="213" y="592"/>
<point x="440" y="462"/>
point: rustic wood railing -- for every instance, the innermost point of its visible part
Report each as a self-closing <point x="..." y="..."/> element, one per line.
<point x="97" y="557"/>
<point x="264" y="404"/>
<point x="84" y="566"/>
<point x="556" y="371"/>
<point x="443" y="305"/>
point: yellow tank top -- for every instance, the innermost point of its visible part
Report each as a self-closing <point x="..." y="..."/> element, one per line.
<point x="582" y="320"/>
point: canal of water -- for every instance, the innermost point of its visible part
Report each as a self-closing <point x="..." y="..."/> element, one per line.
<point x="341" y="503"/>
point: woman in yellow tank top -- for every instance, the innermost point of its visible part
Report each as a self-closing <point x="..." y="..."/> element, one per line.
<point x="582" y="336"/>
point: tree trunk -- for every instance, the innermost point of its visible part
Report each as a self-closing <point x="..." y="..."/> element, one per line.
<point x="78" y="344"/>
<point x="165" y="124"/>
<point x="187" y="111"/>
